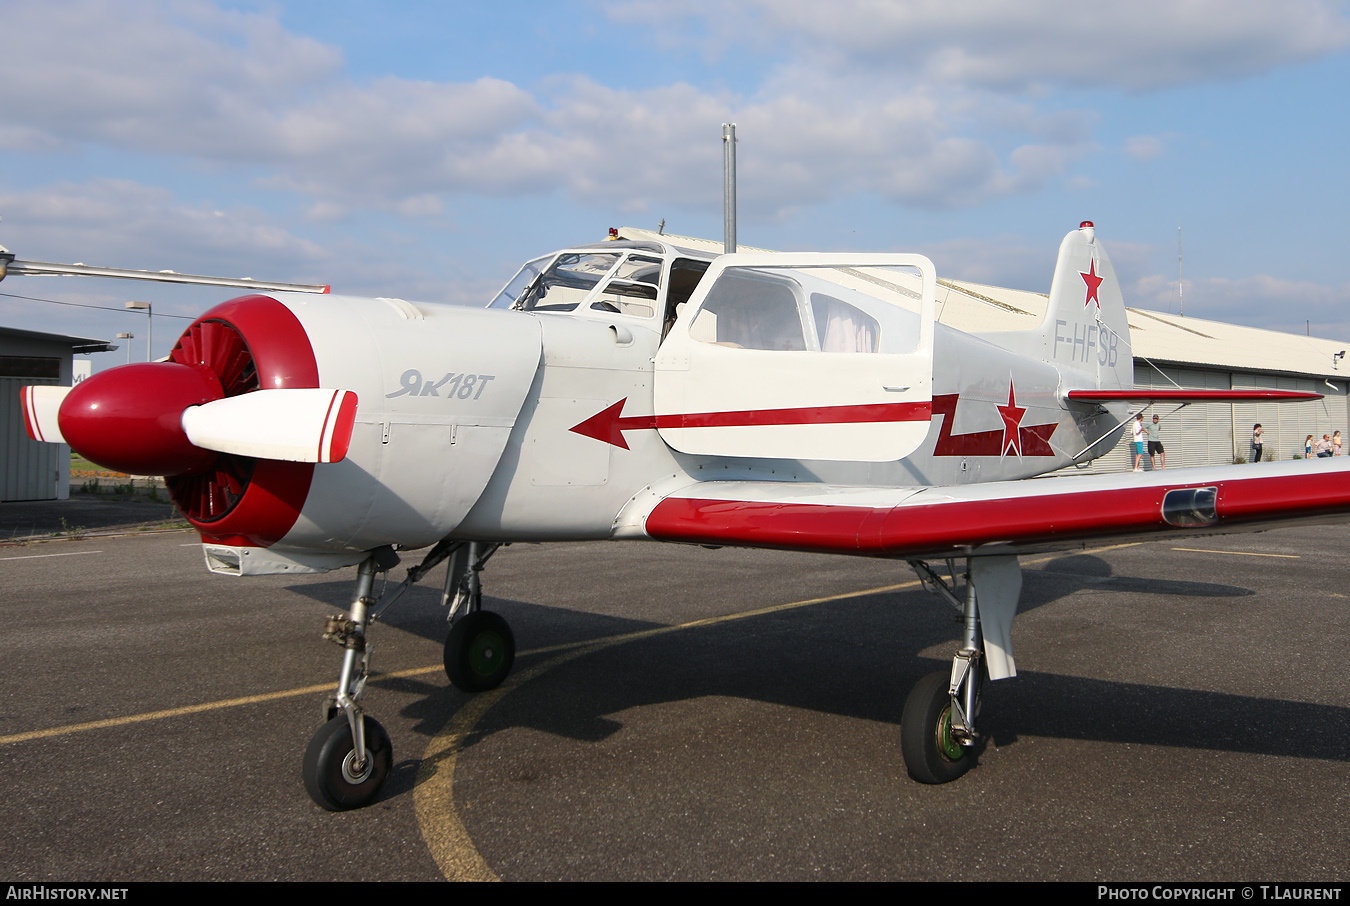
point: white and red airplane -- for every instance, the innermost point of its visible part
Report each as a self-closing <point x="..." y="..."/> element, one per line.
<point x="641" y="390"/>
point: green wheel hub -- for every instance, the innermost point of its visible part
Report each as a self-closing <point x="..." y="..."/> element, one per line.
<point x="948" y="745"/>
<point x="485" y="653"/>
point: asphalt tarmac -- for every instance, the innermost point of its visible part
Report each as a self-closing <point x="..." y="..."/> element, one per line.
<point x="1182" y="712"/>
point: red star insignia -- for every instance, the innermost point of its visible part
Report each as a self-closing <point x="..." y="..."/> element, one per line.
<point x="1012" y="423"/>
<point x="1094" y="283"/>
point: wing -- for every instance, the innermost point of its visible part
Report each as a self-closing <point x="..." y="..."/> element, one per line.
<point x="995" y="518"/>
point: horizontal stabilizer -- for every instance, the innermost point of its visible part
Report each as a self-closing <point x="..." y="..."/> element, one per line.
<point x="1159" y="395"/>
<point x="292" y="425"/>
<point x="40" y="406"/>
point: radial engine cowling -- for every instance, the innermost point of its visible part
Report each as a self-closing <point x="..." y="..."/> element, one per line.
<point x="242" y="395"/>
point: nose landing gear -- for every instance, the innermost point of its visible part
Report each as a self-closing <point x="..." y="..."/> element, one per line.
<point x="350" y="757"/>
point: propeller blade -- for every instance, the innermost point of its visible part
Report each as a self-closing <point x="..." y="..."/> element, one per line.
<point x="40" y="407"/>
<point x="294" y="425"/>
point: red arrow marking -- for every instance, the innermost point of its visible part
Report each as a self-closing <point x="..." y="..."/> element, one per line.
<point x="609" y="425"/>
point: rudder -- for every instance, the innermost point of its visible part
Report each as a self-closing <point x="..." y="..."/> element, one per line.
<point x="1085" y="327"/>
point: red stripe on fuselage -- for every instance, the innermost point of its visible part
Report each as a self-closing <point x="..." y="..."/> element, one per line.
<point x="609" y="424"/>
<point x="807" y="415"/>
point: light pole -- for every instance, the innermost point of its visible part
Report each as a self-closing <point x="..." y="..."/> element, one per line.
<point x="127" y="336"/>
<point x="150" y="324"/>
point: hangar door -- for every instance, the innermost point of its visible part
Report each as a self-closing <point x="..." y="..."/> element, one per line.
<point x="28" y="470"/>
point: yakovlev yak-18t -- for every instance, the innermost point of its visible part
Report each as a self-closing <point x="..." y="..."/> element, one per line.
<point x="641" y="390"/>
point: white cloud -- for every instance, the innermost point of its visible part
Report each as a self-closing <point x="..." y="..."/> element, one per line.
<point x="1259" y="300"/>
<point x="992" y="43"/>
<point x="186" y="80"/>
<point x="1145" y="147"/>
<point x="113" y="222"/>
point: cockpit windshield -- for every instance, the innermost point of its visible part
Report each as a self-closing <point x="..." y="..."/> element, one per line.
<point x="628" y="279"/>
<point x="561" y="285"/>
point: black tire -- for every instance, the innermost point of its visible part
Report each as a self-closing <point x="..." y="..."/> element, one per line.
<point x="330" y="778"/>
<point x="932" y="754"/>
<point x="479" y="651"/>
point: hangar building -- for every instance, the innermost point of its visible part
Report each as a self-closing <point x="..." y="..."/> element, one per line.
<point x="30" y="470"/>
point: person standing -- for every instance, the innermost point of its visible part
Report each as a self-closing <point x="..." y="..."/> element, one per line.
<point x="1256" y="442"/>
<point x="1336" y="444"/>
<point x="1137" y="432"/>
<point x="1307" y="447"/>
<point x="1155" y="447"/>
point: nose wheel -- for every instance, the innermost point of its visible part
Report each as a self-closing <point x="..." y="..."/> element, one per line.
<point x="335" y="776"/>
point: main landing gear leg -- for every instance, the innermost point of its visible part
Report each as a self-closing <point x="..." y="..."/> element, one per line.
<point x="480" y="648"/>
<point x="937" y="729"/>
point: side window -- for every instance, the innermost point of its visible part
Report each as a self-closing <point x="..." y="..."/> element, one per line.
<point x="750" y="310"/>
<point x="632" y="290"/>
<point x="685" y="274"/>
<point x="842" y="327"/>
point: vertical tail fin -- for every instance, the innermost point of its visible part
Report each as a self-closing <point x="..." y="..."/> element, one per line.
<point x="1085" y="327"/>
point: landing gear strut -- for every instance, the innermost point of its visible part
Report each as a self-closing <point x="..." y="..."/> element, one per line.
<point x="349" y="758"/>
<point x="479" y="648"/>
<point x="937" y="728"/>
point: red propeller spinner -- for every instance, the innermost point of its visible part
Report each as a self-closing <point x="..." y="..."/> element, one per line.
<point x="235" y="420"/>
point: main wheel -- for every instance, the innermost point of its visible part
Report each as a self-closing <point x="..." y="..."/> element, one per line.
<point x="479" y="651"/>
<point x="333" y="779"/>
<point x="932" y="753"/>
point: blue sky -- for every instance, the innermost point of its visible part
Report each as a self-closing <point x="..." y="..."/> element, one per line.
<point x="424" y="150"/>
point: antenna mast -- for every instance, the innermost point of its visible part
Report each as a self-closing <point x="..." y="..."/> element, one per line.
<point x="729" y="186"/>
<point x="1181" y="299"/>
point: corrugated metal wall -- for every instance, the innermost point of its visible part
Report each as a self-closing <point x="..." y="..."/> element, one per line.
<point x="29" y="470"/>
<point x="1213" y="434"/>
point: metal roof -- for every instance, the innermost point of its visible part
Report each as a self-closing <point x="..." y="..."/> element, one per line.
<point x="76" y="344"/>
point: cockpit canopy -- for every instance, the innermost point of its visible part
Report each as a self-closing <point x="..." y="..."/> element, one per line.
<point x="643" y="280"/>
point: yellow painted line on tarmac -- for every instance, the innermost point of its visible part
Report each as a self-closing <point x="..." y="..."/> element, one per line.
<point x="450" y="843"/>
<point x="160" y="715"/>
<point x="445" y="834"/>
<point x="1203" y="550"/>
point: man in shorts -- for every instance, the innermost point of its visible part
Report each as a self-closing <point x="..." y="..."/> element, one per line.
<point x="1155" y="447"/>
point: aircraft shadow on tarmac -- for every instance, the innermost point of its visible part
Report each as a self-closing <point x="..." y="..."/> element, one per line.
<point x="856" y="658"/>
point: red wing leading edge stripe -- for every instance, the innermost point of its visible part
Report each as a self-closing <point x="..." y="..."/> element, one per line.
<point x="960" y="525"/>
